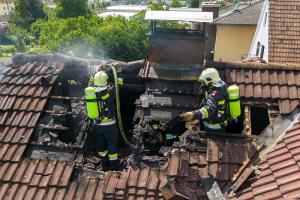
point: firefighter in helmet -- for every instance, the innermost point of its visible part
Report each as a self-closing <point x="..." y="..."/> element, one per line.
<point x="106" y="130"/>
<point x="214" y="106"/>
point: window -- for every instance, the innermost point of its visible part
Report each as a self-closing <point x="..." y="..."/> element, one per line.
<point x="262" y="51"/>
<point x="265" y="18"/>
<point x="257" y="48"/>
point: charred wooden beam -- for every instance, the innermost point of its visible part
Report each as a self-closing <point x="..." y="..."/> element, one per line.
<point x="203" y="133"/>
<point x="67" y="98"/>
<point x="55" y="127"/>
<point x="59" y="113"/>
<point x="247" y="121"/>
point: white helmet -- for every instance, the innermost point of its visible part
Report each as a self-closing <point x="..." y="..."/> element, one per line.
<point x="100" y="79"/>
<point x="209" y="76"/>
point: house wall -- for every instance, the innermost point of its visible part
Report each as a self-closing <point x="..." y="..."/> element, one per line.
<point x="261" y="34"/>
<point x="6" y="7"/>
<point x="233" y="42"/>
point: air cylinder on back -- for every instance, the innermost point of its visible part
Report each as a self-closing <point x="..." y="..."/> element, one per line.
<point x="234" y="101"/>
<point x="91" y="103"/>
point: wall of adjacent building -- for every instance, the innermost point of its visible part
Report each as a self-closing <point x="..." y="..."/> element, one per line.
<point x="233" y="42"/>
<point x="260" y="46"/>
<point x="6" y="7"/>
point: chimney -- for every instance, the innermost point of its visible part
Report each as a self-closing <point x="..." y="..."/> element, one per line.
<point x="211" y="7"/>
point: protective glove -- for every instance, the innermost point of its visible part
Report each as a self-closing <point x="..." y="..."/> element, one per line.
<point x="187" y="116"/>
<point x="93" y="123"/>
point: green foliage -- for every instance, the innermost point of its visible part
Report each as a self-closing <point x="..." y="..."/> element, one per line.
<point x="19" y="37"/>
<point x="113" y="37"/>
<point x="6" y="50"/>
<point x="72" y="8"/>
<point x="175" y="4"/>
<point x="222" y="3"/>
<point x="98" y="5"/>
<point x="160" y="5"/>
<point x="26" y="12"/>
<point x="194" y="3"/>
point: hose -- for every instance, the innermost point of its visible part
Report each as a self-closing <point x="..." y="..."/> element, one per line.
<point x="118" y="105"/>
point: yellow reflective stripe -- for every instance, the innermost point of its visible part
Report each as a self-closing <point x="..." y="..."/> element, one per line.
<point x="205" y="112"/>
<point x="103" y="153"/>
<point x="218" y="124"/>
<point x="107" y="120"/>
<point x="221" y="102"/>
<point x="221" y="112"/>
<point x="114" y="155"/>
<point x="120" y="81"/>
<point x="105" y="96"/>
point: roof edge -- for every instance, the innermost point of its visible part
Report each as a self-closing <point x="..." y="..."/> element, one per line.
<point x="233" y="12"/>
<point x="20" y="58"/>
<point x="251" y="65"/>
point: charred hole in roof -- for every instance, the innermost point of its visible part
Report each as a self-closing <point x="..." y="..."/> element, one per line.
<point x="259" y="119"/>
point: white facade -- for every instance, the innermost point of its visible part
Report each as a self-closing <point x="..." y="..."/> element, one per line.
<point x="260" y="45"/>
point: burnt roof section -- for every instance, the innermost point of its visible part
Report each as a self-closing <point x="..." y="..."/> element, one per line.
<point x="280" y="170"/>
<point x="23" y="94"/>
<point x="223" y="158"/>
<point x="243" y="15"/>
<point x="284" y="38"/>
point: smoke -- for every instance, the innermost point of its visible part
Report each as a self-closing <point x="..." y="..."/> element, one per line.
<point x="85" y="50"/>
<point x="89" y="52"/>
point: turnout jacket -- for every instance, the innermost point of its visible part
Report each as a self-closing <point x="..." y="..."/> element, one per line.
<point x="213" y="109"/>
<point x="106" y="97"/>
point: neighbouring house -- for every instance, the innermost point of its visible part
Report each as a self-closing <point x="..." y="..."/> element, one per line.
<point x="235" y="31"/>
<point x="126" y="11"/>
<point x="260" y="46"/>
<point x="277" y="35"/>
<point x="6" y="7"/>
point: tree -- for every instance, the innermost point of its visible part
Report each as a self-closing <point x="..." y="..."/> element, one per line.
<point x="26" y="12"/>
<point x="72" y="8"/>
<point x="195" y="3"/>
<point x="176" y="4"/>
<point x="19" y="37"/>
<point x="112" y="37"/>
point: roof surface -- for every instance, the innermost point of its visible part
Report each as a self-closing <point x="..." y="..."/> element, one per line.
<point x="284" y="19"/>
<point x="24" y="92"/>
<point x="280" y="170"/>
<point x="257" y="81"/>
<point x="245" y="15"/>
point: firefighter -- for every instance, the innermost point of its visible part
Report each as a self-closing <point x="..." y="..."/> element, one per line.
<point x="106" y="130"/>
<point x="214" y="106"/>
